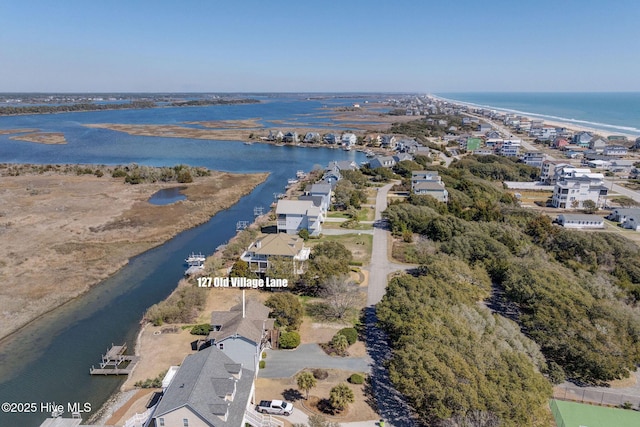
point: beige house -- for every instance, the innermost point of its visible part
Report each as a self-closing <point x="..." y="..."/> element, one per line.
<point x="276" y="245"/>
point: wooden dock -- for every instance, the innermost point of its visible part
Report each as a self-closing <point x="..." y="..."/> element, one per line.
<point x="113" y="360"/>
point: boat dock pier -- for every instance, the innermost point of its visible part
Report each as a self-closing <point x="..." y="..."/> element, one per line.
<point x="112" y="361"/>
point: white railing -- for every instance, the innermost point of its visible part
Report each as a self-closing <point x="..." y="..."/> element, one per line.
<point x="138" y="420"/>
<point x="259" y="420"/>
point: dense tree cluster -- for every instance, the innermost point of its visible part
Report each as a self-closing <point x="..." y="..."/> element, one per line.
<point x="573" y="293"/>
<point x="70" y="108"/>
<point x="138" y="174"/>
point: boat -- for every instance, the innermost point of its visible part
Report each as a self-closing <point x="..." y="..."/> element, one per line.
<point x="301" y="174"/>
<point x="195" y="263"/>
<point x="346" y="148"/>
<point x="248" y="143"/>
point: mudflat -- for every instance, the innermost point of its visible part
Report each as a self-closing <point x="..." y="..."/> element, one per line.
<point x="61" y="233"/>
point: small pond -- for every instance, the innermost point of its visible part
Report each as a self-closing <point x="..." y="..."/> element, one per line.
<point x="166" y="196"/>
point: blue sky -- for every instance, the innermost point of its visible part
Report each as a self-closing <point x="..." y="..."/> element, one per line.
<point x="350" y="45"/>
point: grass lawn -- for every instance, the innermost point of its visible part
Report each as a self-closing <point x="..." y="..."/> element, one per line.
<point x="336" y="225"/>
<point x="359" y="245"/>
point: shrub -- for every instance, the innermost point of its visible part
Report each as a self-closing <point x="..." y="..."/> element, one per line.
<point x="356" y="379"/>
<point x="304" y="234"/>
<point x="286" y="309"/>
<point x="289" y="340"/>
<point x="151" y="382"/>
<point x="350" y="334"/>
<point x="339" y="343"/>
<point x="119" y="173"/>
<point x="340" y="396"/>
<point x="320" y="374"/>
<point x="262" y="364"/>
<point x="264" y="354"/>
<point x="202" y="329"/>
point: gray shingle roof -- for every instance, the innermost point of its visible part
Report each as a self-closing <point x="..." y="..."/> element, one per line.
<point x="201" y="384"/>
<point x="232" y="322"/>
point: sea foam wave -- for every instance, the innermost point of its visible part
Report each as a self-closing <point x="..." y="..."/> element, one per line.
<point x="586" y="123"/>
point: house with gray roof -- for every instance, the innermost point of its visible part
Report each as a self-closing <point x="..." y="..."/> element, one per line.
<point x="322" y="189"/>
<point x="580" y="221"/>
<point x="382" y="162"/>
<point x="429" y="183"/>
<point x="210" y="389"/>
<point x="242" y="333"/>
<point x="296" y="215"/>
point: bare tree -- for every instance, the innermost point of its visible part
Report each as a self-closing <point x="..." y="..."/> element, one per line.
<point x="341" y="295"/>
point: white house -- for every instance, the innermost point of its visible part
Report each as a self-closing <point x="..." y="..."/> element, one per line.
<point x="348" y="139"/>
<point x="429" y="183"/>
<point x="574" y="189"/>
<point x="510" y="147"/>
<point x="323" y="190"/>
<point x="580" y="221"/>
<point x="296" y="215"/>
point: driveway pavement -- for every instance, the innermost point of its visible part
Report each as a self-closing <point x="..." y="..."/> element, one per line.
<point x="286" y="363"/>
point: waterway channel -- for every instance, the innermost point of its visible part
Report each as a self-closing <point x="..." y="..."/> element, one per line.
<point x="49" y="360"/>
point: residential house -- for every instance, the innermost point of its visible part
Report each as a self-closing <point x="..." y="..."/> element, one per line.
<point x="343" y="165"/>
<point x="209" y="389"/>
<point x="275" y="135"/>
<point x="429" y="183"/>
<point x="373" y="139"/>
<point x="400" y="157"/>
<point x="312" y="138"/>
<point x="296" y="215"/>
<point x="382" y="162"/>
<point x="292" y="248"/>
<point x="330" y="138"/>
<point x="597" y="145"/>
<point x="617" y="139"/>
<point x="580" y="221"/>
<point x="483" y="127"/>
<point x="290" y="137"/>
<point x="388" y="141"/>
<point x="632" y="222"/>
<point x="559" y="143"/>
<point x="493" y="135"/>
<point x="510" y="147"/>
<point x="533" y="158"/>
<point x="547" y="134"/>
<point x="624" y="166"/>
<point x="323" y="190"/>
<point x="615" y="151"/>
<point x="622" y="214"/>
<point x="242" y="332"/>
<point x="636" y="145"/>
<point x="582" y="139"/>
<point x="577" y="186"/>
<point x="349" y="139"/>
<point x="483" y="152"/>
<point x="548" y="173"/>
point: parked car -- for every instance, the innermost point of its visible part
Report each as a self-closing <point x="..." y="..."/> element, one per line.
<point x="277" y="407"/>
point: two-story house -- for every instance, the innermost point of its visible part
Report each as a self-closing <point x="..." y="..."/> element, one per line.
<point x="278" y="245"/>
<point x="296" y="215"/>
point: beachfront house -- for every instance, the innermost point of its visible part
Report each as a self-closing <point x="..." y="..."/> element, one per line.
<point x="533" y="158"/>
<point x="242" y="333"/>
<point x="510" y="147"/>
<point x="291" y="248"/>
<point x="275" y="135"/>
<point x="295" y="215"/>
<point x="209" y="389"/>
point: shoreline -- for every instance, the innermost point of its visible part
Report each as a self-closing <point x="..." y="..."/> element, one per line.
<point x="571" y="124"/>
<point x="108" y="264"/>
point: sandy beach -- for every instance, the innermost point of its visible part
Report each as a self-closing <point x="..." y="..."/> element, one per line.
<point x="62" y="233"/>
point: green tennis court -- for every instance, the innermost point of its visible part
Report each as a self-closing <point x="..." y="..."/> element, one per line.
<point x="572" y="414"/>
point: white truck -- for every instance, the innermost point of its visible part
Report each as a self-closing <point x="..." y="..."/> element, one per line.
<point x="276" y="407"/>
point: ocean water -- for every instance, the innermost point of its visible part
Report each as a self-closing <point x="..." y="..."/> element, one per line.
<point x="608" y="111"/>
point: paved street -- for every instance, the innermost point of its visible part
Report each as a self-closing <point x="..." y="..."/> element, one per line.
<point x="286" y="363"/>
